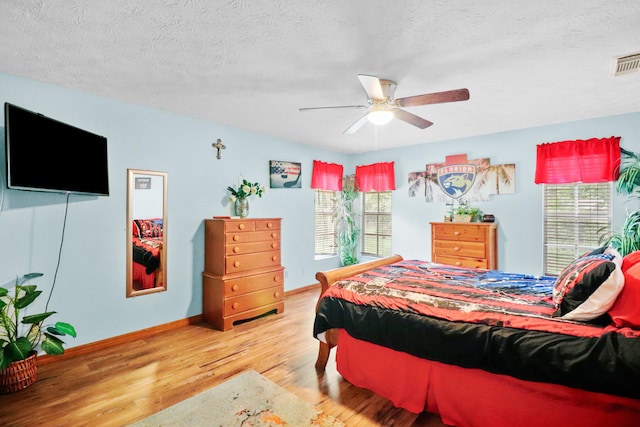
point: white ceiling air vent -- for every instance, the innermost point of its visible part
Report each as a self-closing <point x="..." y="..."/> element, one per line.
<point x="625" y="64"/>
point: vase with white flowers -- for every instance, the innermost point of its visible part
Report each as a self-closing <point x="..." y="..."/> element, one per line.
<point x="239" y="196"/>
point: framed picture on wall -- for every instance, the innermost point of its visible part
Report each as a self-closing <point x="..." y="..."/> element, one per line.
<point x="284" y="174"/>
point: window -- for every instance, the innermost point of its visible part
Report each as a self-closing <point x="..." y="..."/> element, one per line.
<point x="376" y="223"/>
<point x="324" y="223"/>
<point x="575" y="216"/>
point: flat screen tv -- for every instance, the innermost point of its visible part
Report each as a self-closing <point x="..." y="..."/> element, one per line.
<point x="43" y="154"/>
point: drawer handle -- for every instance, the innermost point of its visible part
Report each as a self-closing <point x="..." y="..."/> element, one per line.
<point x="456" y="233"/>
<point x="236" y="249"/>
<point x="276" y="294"/>
<point x="236" y="238"/>
<point x="458" y="263"/>
<point x="234" y="305"/>
<point x="456" y="248"/>
<point x="241" y="226"/>
<point x="234" y="288"/>
<point x="274" y="258"/>
<point x="236" y="264"/>
<point x="274" y="245"/>
<point x="274" y="235"/>
<point x="269" y="225"/>
<point x="275" y="278"/>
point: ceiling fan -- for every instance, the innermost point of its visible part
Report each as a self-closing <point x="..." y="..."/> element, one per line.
<point x="383" y="107"/>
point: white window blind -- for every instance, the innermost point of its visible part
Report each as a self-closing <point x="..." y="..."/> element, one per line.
<point x="325" y="242"/>
<point x="376" y="223"/>
<point x="575" y="216"/>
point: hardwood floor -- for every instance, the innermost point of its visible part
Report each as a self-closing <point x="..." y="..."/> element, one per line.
<point x="124" y="383"/>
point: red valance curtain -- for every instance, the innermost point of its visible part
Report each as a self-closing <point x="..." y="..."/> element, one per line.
<point x="326" y="176"/>
<point x="376" y="177"/>
<point x="588" y="161"/>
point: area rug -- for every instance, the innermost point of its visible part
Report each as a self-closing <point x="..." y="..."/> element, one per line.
<point x="246" y="400"/>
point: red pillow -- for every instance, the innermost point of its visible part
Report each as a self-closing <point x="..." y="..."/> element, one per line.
<point x="588" y="287"/>
<point x="626" y="309"/>
<point x="630" y="260"/>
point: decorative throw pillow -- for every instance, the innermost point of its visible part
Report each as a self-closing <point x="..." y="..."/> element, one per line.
<point x="587" y="288"/>
<point x="630" y="260"/>
<point x="626" y="309"/>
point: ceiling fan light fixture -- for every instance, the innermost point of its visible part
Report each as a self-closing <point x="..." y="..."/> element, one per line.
<point x="380" y="117"/>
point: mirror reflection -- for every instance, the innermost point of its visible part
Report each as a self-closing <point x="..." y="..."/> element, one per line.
<point x="146" y="232"/>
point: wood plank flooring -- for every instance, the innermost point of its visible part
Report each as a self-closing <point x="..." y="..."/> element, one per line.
<point x="124" y="383"/>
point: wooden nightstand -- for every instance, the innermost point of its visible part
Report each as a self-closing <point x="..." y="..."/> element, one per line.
<point x="465" y="244"/>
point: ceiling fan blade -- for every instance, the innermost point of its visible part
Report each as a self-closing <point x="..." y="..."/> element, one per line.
<point x="410" y="118"/>
<point x="332" y="108"/>
<point x="372" y="86"/>
<point x="357" y="125"/>
<point x="434" y="98"/>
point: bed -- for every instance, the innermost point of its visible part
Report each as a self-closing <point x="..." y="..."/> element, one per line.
<point x="147" y="269"/>
<point x="485" y="347"/>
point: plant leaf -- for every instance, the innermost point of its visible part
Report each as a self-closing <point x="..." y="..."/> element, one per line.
<point x="65" y="329"/>
<point x="36" y="318"/>
<point x="52" y="345"/>
<point x="19" y="349"/>
<point x="27" y="299"/>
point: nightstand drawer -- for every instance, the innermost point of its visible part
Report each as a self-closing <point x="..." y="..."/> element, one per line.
<point x="460" y="248"/>
<point x="464" y="232"/>
<point x="462" y="262"/>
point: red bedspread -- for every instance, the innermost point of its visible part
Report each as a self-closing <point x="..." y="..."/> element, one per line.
<point x="494" y="321"/>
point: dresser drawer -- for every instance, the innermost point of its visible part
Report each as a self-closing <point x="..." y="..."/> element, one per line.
<point x="239" y="263"/>
<point x="252" y="300"/>
<point x="256" y="282"/>
<point x="267" y="224"/>
<point x="464" y="232"/>
<point x="256" y="236"/>
<point x="239" y="226"/>
<point x="460" y="248"/>
<point x="252" y="247"/>
<point x="462" y="262"/>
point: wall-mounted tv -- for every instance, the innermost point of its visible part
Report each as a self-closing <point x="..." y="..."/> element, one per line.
<point x="43" y="154"/>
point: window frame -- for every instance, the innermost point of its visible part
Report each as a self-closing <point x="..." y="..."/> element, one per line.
<point x="573" y="224"/>
<point x="324" y="217"/>
<point x="379" y="215"/>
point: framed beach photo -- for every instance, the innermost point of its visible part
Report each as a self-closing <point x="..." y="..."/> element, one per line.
<point x="284" y="174"/>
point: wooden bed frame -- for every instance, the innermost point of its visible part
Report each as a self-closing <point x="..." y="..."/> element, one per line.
<point x="327" y="279"/>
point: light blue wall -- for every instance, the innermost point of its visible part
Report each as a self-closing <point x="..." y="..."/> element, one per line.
<point x="90" y="281"/>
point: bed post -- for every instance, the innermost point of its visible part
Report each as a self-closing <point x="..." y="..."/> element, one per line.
<point x="328" y="278"/>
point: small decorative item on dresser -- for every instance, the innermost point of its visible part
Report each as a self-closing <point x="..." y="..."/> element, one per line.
<point x="488" y="218"/>
<point x="241" y="195"/>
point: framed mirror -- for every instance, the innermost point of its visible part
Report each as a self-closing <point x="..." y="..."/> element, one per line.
<point x="146" y="232"/>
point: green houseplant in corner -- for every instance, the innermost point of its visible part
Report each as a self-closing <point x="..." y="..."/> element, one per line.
<point x="346" y="222"/>
<point x="627" y="239"/>
<point x="21" y="334"/>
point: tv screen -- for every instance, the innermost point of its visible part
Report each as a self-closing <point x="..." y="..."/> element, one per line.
<point x="43" y="154"/>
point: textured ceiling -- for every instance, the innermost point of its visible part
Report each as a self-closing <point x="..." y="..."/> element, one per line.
<point x="252" y="64"/>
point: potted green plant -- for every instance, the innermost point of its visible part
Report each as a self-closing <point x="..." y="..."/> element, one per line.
<point x="347" y="229"/>
<point x="627" y="239"/>
<point x="466" y="213"/>
<point x="21" y="334"/>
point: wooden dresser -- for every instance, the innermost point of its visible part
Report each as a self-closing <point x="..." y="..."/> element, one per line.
<point x="242" y="277"/>
<point x="465" y="244"/>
